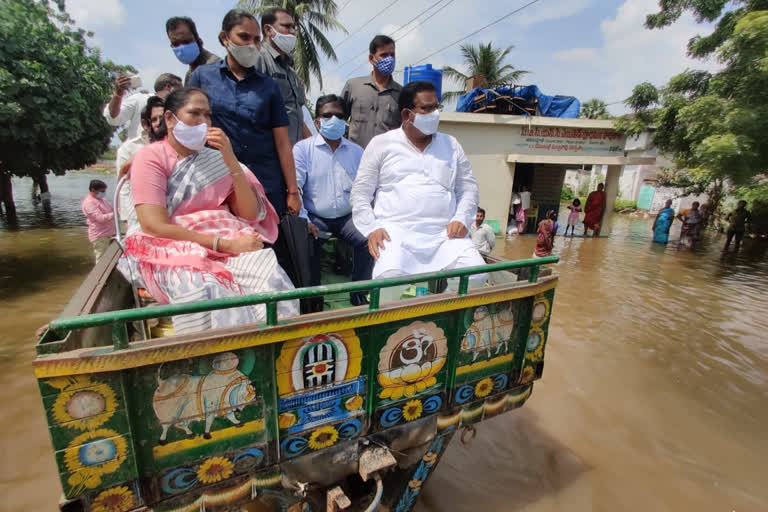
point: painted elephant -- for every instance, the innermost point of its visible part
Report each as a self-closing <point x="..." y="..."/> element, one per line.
<point x="183" y="398"/>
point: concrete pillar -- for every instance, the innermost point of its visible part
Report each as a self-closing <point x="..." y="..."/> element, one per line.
<point x="611" y="192"/>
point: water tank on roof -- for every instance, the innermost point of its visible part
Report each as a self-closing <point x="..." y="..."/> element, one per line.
<point x="425" y="72"/>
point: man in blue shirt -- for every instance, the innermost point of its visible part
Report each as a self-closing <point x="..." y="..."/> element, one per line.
<point x="247" y="105"/>
<point x="326" y="165"/>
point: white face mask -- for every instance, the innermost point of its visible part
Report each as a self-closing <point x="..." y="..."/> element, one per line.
<point x="191" y="137"/>
<point x="426" y="123"/>
<point x="246" y="55"/>
<point x="286" y="42"/>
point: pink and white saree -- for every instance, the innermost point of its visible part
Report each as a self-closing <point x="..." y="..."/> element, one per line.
<point x="198" y="191"/>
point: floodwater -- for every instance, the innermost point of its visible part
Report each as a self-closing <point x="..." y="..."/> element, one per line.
<point x="653" y="397"/>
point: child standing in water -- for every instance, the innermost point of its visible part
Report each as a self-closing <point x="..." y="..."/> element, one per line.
<point x="573" y="217"/>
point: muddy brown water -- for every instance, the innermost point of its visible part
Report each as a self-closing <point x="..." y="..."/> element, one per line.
<point x="653" y="396"/>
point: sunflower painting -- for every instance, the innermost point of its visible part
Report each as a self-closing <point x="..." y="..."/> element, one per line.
<point x="116" y="499"/>
<point x="83" y="404"/>
<point x="534" y="345"/>
<point x="214" y="470"/>
<point x="323" y="437"/>
<point x="412" y="410"/>
<point x="92" y="455"/>
<point x="483" y="388"/>
<point x="528" y="374"/>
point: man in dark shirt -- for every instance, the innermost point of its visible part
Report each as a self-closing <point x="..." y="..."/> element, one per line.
<point x="371" y="101"/>
<point x="247" y="105"/>
<point x="279" y="31"/>
<point x="737" y="224"/>
<point x="187" y="45"/>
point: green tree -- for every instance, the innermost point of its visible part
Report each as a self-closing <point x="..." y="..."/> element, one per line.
<point x="486" y="61"/>
<point x="313" y="19"/>
<point x="52" y="89"/>
<point x="713" y="125"/>
<point x="594" y="109"/>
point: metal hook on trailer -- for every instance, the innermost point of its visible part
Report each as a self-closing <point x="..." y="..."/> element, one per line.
<point x="468" y="429"/>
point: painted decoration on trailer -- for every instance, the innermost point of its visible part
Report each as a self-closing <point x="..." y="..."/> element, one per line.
<point x="489" y="342"/>
<point x="116" y="499"/>
<point x="319" y="360"/>
<point x="475" y="390"/>
<point x="319" y="382"/>
<point x="537" y="338"/>
<point x="262" y="490"/>
<point x="423" y="470"/>
<point x="211" y="470"/>
<point x="409" y="410"/>
<point x="487" y="408"/>
<point x="89" y="431"/>
<point x="320" y="438"/>
<point x="82" y="403"/>
<point x="410" y="360"/>
<point x="196" y="407"/>
<point x="491" y="331"/>
<point x="183" y="398"/>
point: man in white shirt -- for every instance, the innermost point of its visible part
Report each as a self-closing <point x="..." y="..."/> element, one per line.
<point x="151" y="118"/>
<point x="123" y="109"/>
<point x="414" y="196"/>
<point x="482" y="234"/>
<point x="326" y="166"/>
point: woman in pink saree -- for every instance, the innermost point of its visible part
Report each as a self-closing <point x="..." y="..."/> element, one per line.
<point x="200" y="223"/>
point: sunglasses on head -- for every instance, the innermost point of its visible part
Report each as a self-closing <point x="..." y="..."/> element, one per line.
<point x="328" y="115"/>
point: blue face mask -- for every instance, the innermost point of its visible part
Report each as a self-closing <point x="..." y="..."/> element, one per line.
<point x="332" y="128"/>
<point x="386" y="65"/>
<point x="187" y="53"/>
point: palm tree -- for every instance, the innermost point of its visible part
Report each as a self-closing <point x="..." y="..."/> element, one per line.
<point x="594" y="109"/>
<point x="486" y="61"/>
<point x="312" y="18"/>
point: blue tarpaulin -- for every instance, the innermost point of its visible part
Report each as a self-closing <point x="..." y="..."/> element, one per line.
<point x="549" y="106"/>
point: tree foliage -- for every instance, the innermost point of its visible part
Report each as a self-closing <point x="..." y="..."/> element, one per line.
<point x="594" y="109"/>
<point x="486" y="61"/>
<point x="52" y="89"/>
<point x="713" y="125"/>
<point x="313" y="18"/>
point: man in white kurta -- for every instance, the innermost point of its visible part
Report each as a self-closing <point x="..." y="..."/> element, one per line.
<point x="414" y="196"/>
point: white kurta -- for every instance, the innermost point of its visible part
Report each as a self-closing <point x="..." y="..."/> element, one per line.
<point x="414" y="195"/>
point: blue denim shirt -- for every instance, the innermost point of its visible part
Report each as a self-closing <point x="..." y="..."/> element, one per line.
<point x="247" y="110"/>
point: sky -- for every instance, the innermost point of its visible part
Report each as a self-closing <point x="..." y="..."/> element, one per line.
<point x="583" y="48"/>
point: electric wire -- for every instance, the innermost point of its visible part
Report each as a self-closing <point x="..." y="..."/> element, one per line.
<point x="479" y="30"/>
<point x="366" y="23"/>
<point x="393" y="34"/>
<point x="402" y="36"/>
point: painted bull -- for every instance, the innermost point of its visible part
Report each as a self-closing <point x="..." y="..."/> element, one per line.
<point x="489" y="330"/>
<point x="181" y="399"/>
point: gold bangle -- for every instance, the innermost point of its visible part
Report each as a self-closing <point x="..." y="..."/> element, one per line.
<point x="216" y="243"/>
<point x="233" y="174"/>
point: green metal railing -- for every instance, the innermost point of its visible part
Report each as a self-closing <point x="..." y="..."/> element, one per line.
<point x="118" y="319"/>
